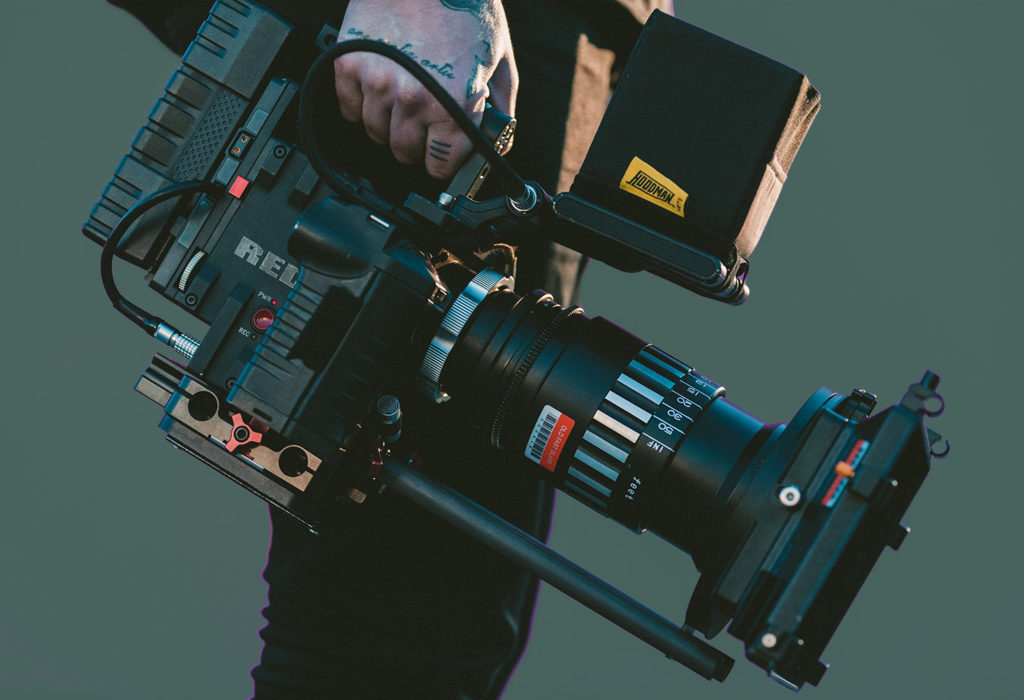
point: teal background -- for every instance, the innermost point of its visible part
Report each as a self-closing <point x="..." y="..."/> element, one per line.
<point x="130" y="571"/>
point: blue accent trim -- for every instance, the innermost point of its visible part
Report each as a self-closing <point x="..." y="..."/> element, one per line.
<point x="677" y="371"/>
<point x="602" y="444"/>
<point x="574" y="490"/>
<point x="664" y="381"/>
<point x="583" y="478"/>
<point x="603" y="469"/>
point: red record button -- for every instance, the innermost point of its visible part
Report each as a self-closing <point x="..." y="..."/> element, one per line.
<point x="263" y="319"/>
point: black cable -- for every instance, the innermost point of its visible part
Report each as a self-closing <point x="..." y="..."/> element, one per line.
<point x="512" y="183"/>
<point x="134" y="313"/>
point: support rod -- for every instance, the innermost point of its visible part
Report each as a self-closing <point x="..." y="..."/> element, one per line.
<point x="576" y="582"/>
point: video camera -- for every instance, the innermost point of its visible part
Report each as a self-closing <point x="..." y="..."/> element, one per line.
<point x="333" y="309"/>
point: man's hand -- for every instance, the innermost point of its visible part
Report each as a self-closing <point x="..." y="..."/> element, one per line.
<point x="463" y="43"/>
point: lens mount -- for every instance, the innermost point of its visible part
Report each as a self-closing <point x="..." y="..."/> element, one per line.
<point x="451" y="326"/>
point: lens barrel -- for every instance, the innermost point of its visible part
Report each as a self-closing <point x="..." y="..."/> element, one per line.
<point x="784" y="521"/>
<point x="613" y="421"/>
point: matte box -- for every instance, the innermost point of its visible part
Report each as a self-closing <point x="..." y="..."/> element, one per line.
<point x="697" y="140"/>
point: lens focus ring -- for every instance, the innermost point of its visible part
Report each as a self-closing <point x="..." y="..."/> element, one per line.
<point x="539" y="342"/>
<point x="640" y="423"/>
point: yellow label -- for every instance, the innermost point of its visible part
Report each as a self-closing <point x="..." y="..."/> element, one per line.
<point x="647" y="183"/>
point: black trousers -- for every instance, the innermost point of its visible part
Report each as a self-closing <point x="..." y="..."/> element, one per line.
<point x="391" y="602"/>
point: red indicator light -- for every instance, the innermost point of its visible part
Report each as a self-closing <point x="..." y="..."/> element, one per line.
<point x="263" y="319"/>
<point x="238" y="187"/>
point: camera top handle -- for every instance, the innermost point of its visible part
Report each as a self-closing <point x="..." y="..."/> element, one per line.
<point x="520" y="194"/>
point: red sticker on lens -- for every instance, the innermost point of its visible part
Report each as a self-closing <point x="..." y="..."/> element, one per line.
<point x="548" y="437"/>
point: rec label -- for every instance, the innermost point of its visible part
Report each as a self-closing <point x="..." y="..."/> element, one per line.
<point x="548" y="437"/>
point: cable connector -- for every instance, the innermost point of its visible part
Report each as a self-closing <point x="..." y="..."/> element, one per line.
<point x="182" y="343"/>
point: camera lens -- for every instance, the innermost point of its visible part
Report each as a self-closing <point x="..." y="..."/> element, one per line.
<point x="615" y="422"/>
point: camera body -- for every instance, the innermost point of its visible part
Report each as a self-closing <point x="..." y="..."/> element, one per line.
<point x="323" y="306"/>
<point x="313" y="305"/>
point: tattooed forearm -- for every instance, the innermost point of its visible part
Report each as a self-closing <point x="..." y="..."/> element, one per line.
<point x="445" y="70"/>
<point x="474" y="6"/>
<point x="439" y="150"/>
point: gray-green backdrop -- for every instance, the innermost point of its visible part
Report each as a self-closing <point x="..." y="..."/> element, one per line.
<point x="131" y="571"/>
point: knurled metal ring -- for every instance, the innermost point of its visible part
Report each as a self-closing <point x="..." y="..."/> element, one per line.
<point x="451" y="326"/>
<point x="190" y="268"/>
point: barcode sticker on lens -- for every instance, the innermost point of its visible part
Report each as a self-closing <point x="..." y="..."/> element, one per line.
<point x="548" y="437"/>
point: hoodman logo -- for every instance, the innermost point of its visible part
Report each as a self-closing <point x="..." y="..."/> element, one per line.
<point x="647" y="183"/>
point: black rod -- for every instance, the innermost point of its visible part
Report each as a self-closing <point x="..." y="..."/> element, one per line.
<point x="536" y="557"/>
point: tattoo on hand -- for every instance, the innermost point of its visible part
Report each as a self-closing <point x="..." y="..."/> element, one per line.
<point x="445" y="70"/>
<point x="480" y="63"/>
<point x="439" y="150"/>
<point x="474" y="6"/>
<point x="471" y="83"/>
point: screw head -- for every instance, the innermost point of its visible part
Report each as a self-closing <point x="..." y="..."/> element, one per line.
<point x="769" y="640"/>
<point x="790" y="496"/>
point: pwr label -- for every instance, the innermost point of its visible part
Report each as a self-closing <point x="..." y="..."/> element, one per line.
<point x="548" y="437"/>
